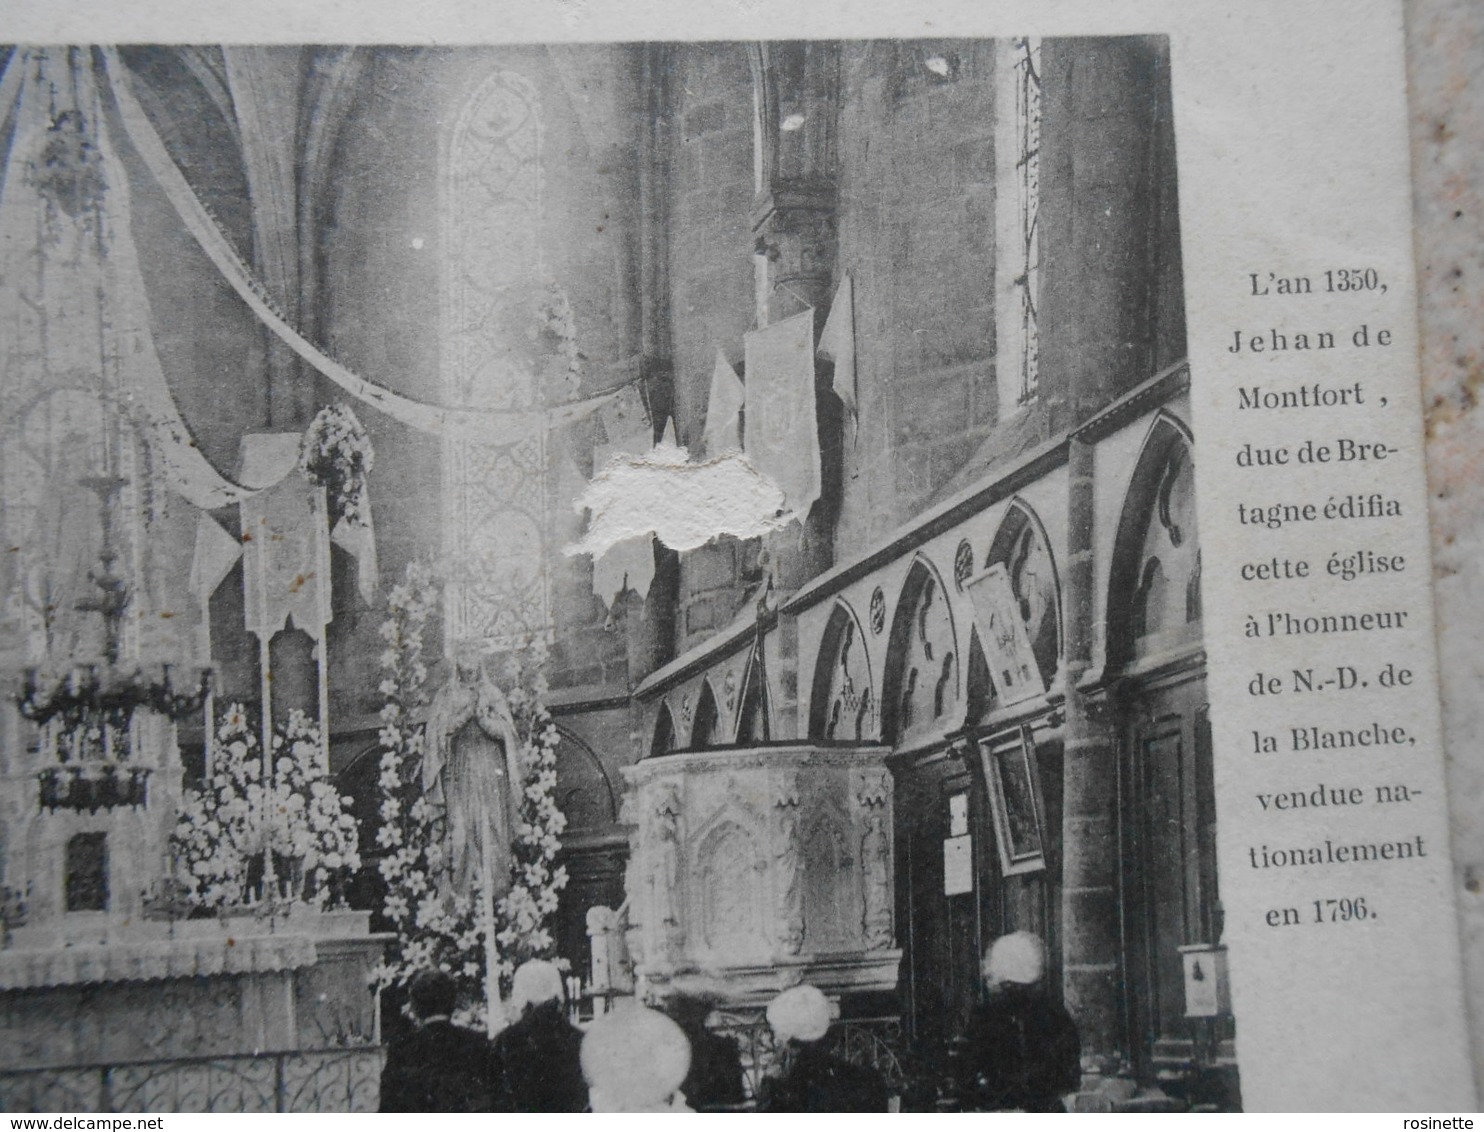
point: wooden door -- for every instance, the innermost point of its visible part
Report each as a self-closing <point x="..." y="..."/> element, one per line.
<point x="943" y="936"/>
<point x="1170" y="896"/>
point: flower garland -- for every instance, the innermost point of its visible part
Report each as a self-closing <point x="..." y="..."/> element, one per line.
<point x="227" y="829"/>
<point x="448" y="931"/>
<point x="336" y="454"/>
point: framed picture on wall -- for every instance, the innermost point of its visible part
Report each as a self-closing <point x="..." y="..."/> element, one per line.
<point x="1013" y="779"/>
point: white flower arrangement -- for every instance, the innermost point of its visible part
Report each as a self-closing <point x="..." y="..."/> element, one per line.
<point x="235" y="825"/>
<point x="336" y="454"/>
<point x="447" y="930"/>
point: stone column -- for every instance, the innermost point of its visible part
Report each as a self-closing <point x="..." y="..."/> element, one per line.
<point x="793" y="228"/>
<point x="794" y="233"/>
<point x="1090" y="924"/>
<point x="794" y="242"/>
<point x="1098" y="187"/>
<point x="1099" y="104"/>
<point x="651" y="625"/>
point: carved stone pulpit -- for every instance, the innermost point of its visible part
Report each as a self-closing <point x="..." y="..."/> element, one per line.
<point x="760" y="868"/>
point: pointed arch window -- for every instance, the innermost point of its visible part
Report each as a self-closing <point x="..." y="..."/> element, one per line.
<point x="494" y="496"/>
<point x="664" y="732"/>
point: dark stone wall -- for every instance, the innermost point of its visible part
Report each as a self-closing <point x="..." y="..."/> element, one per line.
<point x="916" y="233"/>
<point x="709" y="190"/>
<point x="915" y="183"/>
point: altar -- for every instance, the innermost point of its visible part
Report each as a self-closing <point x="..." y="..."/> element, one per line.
<point x="240" y="1014"/>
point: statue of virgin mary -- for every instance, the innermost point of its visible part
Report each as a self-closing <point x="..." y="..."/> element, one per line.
<point x="471" y="775"/>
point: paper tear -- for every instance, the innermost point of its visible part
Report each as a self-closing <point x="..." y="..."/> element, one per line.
<point x="684" y="505"/>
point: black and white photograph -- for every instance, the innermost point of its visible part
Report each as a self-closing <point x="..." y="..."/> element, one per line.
<point x="613" y="577"/>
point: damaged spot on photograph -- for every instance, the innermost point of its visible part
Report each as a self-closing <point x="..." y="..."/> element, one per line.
<point x="515" y="556"/>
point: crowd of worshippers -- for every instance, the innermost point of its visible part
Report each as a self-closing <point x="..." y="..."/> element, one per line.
<point x="1021" y="1052"/>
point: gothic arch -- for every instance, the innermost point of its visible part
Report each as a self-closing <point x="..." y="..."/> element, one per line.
<point x="920" y="690"/>
<point x="754" y="723"/>
<point x="729" y="889"/>
<point x="1020" y="543"/>
<point x="584" y="792"/>
<point x="978" y="684"/>
<point x="663" y="741"/>
<point x="1154" y="580"/>
<point x="843" y="704"/>
<point x="703" y="728"/>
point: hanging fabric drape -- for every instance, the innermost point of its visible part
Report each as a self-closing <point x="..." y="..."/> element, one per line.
<point x="87" y="424"/>
<point x="121" y="325"/>
<point x="185" y="468"/>
<point x="723" y="432"/>
<point x="782" y="438"/>
<point x="486" y="427"/>
<point x="837" y="344"/>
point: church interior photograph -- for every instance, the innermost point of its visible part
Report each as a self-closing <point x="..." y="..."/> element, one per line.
<point x="557" y="550"/>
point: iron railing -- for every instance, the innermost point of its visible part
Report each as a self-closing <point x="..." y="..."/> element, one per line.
<point x="327" y="1080"/>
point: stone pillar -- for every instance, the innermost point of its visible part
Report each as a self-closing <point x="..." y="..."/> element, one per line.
<point x="1090" y="923"/>
<point x="1096" y="219"/>
<point x="651" y="625"/>
<point x="794" y="233"/>
<point x="1100" y="103"/>
<point x="794" y="242"/>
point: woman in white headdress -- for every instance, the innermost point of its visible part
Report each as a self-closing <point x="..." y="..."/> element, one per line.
<point x="634" y="1060"/>
<point x="1023" y="1050"/>
<point x="814" y="1079"/>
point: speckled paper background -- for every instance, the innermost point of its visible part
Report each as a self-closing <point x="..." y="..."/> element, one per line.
<point x="1446" y="69"/>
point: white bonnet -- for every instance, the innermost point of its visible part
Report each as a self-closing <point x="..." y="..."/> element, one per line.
<point x="1015" y="958"/>
<point x="633" y="1058"/>
<point x="801" y="1013"/>
<point x="536" y="981"/>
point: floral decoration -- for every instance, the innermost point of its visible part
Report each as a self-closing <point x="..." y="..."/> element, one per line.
<point x="437" y="929"/>
<point x="336" y="454"/>
<point x="254" y="817"/>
